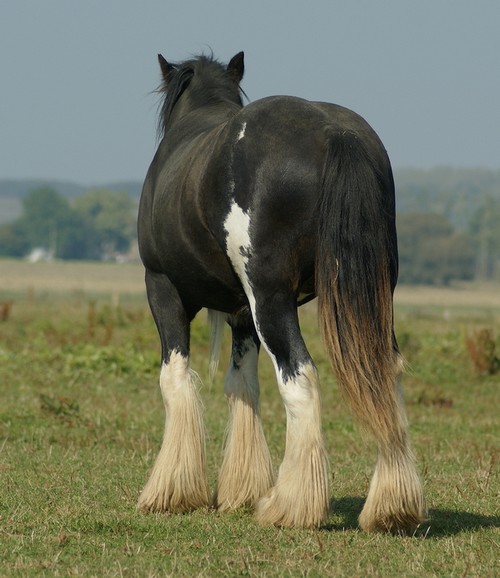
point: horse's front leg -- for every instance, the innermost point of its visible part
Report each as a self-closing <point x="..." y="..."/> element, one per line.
<point x="178" y="481"/>
<point x="246" y="473"/>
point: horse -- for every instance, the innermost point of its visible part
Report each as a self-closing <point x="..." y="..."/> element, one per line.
<point x="249" y="212"/>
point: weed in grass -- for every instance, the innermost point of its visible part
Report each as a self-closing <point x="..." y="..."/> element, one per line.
<point x="482" y="351"/>
<point x="5" y="310"/>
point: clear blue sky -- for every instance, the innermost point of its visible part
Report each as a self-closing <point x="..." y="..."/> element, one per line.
<point x="77" y="76"/>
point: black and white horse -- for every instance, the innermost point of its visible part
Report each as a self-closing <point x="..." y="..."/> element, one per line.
<point x="250" y="212"/>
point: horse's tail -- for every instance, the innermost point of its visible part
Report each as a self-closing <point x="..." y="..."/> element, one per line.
<point x="356" y="272"/>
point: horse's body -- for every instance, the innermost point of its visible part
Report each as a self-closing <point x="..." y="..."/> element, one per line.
<point x="250" y="211"/>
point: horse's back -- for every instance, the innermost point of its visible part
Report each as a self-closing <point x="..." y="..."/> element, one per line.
<point x="285" y="140"/>
<point x="264" y="163"/>
<point x="290" y="118"/>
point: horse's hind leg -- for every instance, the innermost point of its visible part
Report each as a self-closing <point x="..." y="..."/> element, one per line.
<point x="300" y="497"/>
<point x="178" y="481"/>
<point x="395" y="501"/>
<point x="246" y="473"/>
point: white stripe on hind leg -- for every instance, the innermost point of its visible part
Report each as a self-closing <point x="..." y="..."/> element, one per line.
<point x="300" y="497"/>
<point x="178" y="481"/>
<point x="246" y="473"/>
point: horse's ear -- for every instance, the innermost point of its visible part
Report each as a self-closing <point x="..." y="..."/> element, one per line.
<point x="236" y="67"/>
<point x="166" y="68"/>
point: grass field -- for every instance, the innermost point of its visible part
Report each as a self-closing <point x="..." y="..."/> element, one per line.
<point x="81" y="420"/>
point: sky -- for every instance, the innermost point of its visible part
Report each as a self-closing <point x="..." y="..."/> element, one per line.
<point x="77" y="77"/>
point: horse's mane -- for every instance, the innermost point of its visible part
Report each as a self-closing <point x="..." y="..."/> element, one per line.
<point x="208" y="81"/>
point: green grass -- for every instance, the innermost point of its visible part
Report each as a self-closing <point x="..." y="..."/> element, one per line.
<point x="81" y="420"/>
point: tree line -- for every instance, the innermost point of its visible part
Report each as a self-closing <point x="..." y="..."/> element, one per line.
<point x="433" y="251"/>
<point x="100" y="224"/>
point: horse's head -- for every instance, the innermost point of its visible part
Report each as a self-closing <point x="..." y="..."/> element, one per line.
<point x="198" y="82"/>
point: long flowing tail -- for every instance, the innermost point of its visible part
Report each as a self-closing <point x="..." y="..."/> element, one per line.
<point x="356" y="272"/>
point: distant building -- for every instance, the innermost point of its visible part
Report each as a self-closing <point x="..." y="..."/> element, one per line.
<point x="40" y="254"/>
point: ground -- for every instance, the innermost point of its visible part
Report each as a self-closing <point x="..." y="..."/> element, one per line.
<point x="81" y="420"/>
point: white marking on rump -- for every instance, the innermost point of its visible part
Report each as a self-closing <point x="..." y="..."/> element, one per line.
<point x="241" y="134"/>
<point x="238" y="246"/>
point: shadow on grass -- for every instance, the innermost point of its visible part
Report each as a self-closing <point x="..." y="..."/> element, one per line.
<point x="440" y="523"/>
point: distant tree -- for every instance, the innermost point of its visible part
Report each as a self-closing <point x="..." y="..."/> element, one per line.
<point x="45" y="214"/>
<point x="485" y="233"/>
<point x="47" y="221"/>
<point x="13" y="240"/>
<point x="431" y="252"/>
<point x="100" y="223"/>
<point x="75" y="239"/>
<point x="454" y="193"/>
<point x="109" y="215"/>
<point x="51" y="222"/>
